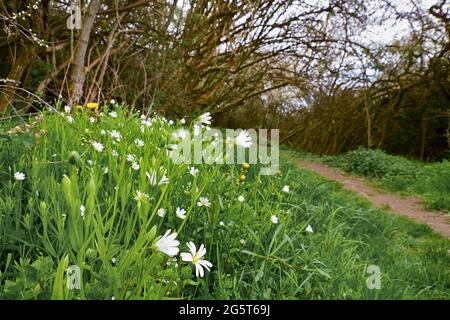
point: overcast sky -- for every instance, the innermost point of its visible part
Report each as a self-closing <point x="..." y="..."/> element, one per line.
<point x="392" y="29"/>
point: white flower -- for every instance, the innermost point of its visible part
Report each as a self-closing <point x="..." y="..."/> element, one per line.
<point x="105" y="170"/>
<point x="140" y="196"/>
<point x="167" y="244"/>
<point x="181" y="213"/>
<point x="196" y="258"/>
<point x="114" y="260"/>
<point x="164" y="180"/>
<point x="139" y="142"/>
<point x="205" y="118"/>
<point x="102" y="132"/>
<point x="92" y="120"/>
<point x="197" y="129"/>
<point x="130" y="157"/>
<point x="114" y="153"/>
<point x="181" y="133"/>
<point x="274" y="219"/>
<point x="243" y="139"/>
<point x="135" y="166"/>
<point x="241" y="198"/>
<point x="242" y="241"/>
<point x="309" y="229"/>
<point x="70" y="119"/>
<point x="203" y="202"/>
<point x="146" y="123"/>
<point x="67" y="109"/>
<point x="171" y="122"/>
<point x="221" y="223"/>
<point x="151" y="177"/>
<point x="19" y="176"/>
<point x="286" y="189"/>
<point x="82" y="211"/>
<point x="161" y="212"/>
<point x="193" y="171"/>
<point x="183" y="121"/>
<point x="116" y="135"/>
<point x="113" y="114"/>
<point x="113" y="101"/>
<point x="90" y="163"/>
<point x="98" y="146"/>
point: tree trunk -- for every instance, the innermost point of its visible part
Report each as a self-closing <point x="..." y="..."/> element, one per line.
<point x="18" y="70"/>
<point x="78" y="74"/>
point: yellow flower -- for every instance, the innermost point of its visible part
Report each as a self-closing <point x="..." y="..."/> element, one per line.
<point x="245" y="166"/>
<point x="92" y="106"/>
<point x="79" y="107"/>
<point x="242" y="178"/>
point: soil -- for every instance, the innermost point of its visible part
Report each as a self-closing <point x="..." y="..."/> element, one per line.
<point x="406" y="206"/>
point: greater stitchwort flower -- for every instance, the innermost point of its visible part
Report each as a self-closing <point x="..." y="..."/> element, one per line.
<point x="195" y="257"/>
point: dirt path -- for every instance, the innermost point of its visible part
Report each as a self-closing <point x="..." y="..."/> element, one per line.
<point x="410" y="207"/>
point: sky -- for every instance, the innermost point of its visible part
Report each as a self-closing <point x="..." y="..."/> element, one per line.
<point x="391" y="29"/>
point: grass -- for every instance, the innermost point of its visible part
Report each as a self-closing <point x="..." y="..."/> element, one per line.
<point x="42" y="231"/>
<point x="431" y="181"/>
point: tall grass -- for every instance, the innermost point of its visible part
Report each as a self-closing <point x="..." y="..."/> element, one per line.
<point x="81" y="206"/>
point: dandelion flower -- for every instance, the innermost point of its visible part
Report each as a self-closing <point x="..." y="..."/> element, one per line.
<point x="243" y="139"/>
<point x="274" y="219"/>
<point x="92" y="105"/>
<point x="167" y="244"/>
<point x="195" y="257"/>
<point x="181" y="213"/>
<point x="98" y="146"/>
<point x="19" y="176"/>
<point x="203" y="202"/>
